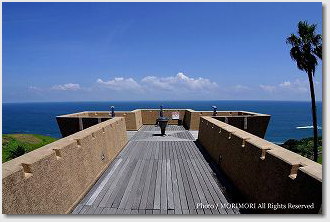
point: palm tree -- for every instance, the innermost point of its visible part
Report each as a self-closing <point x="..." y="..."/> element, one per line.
<point x="306" y="48"/>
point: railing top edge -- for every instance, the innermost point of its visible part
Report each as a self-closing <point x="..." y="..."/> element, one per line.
<point x="143" y="110"/>
<point x="271" y="148"/>
<point x="44" y="151"/>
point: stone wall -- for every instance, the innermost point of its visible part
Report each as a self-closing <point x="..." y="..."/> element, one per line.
<point x="262" y="171"/>
<point x="53" y="178"/>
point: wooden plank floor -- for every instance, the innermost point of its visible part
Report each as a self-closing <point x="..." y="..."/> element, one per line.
<point x="157" y="174"/>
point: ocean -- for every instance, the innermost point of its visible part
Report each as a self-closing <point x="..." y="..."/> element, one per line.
<point x="40" y="118"/>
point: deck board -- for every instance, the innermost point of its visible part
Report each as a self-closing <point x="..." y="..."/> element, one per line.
<point x="156" y="174"/>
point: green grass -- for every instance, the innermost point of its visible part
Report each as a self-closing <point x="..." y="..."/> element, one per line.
<point x="14" y="145"/>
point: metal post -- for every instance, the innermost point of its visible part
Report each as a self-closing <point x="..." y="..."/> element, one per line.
<point x="214" y="111"/>
<point x="245" y="123"/>
<point x="81" y="126"/>
<point x="161" y="111"/>
<point x="162" y="121"/>
<point x="113" y="111"/>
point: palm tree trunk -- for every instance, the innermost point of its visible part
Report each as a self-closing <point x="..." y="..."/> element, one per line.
<point x="311" y="86"/>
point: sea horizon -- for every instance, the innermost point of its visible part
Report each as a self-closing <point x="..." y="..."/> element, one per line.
<point x="289" y="119"/>
<point x="181" y="100"/>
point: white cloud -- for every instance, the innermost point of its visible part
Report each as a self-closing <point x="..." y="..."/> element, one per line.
<point x="285" y="84"/>
<point x="169" y="83"/>
<point x="268" y="88"/>
<point x="67" y="87"/>
<point x="120" y="83"/>
<point x="296" y="86"/>
<point x="34" y="88"/>
<point x="177" y="82"/>
<point x="240" y="88"/>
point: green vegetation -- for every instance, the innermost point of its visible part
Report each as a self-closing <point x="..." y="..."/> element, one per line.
<point x="304" y="147"/>
<point x="15" y="145"/>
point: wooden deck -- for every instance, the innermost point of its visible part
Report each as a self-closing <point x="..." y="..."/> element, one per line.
<point x="157" y="175"/>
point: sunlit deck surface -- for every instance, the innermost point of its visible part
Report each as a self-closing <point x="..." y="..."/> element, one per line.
<point x="156" y="175"/>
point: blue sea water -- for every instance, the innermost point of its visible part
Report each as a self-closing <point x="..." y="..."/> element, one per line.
<point x="39" y="118"/>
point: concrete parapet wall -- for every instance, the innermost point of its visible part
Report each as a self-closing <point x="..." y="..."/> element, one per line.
<point x="256" y="124"/>
<point x="53" y="178"/>
<point x="72" y="123"/>
<point x="194" y="117"/>
<point x="75" y="122"/>
<point x="187" y="118"/>
<point x="133" y="119"/>
<point x="262" y="171"/>
<point x="149" y="116"/>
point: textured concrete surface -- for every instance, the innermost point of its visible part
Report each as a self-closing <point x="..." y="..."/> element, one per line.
<point x="51" y="179"/>
<point x="262" y="171"/>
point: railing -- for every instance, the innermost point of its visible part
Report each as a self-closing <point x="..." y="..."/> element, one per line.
<point x="72" y="123"/>
<point x="262" y="171"/>
<point x="53" y="178"/>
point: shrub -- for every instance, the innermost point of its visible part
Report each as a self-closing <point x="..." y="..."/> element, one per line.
<point x="303" y="147"/>
<point x="17" y="151"/>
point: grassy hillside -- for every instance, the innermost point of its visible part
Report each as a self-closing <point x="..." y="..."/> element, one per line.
<point x="14" y="145"/>
<point x="304" y="147"/>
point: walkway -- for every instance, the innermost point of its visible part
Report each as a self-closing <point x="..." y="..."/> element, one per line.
<point x="157" y="175"/>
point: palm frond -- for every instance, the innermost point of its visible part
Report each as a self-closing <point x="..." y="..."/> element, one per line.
<point x="303" y="29"/>
<point x="293" y="40"/>
<point x="318" y="51"/>
<point x="296" y="55"/>
<point x="317" y="40"/>
<point x="306" y="47"/>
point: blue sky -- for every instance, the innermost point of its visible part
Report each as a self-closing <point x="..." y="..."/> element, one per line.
<point x="153" y="51"/>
